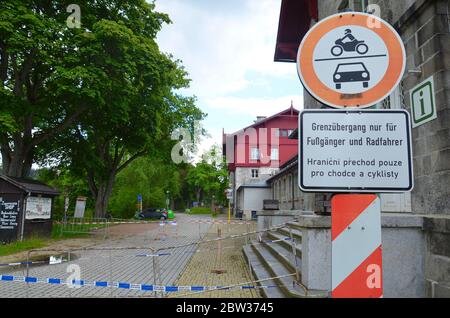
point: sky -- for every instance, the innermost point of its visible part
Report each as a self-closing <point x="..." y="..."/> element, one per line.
<point x="227" y="47"/>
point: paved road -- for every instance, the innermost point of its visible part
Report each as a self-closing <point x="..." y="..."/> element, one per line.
<point x="118" y="265"/>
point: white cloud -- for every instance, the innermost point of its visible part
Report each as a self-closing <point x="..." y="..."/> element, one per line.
<point x="220" y="43"/>
<point x="255" y="106"/>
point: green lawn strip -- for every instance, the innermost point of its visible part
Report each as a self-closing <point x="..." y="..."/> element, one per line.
<point x="25" y="245"/>
<point x="40" y="242"/>
<point x="199" y="210"/>
<point x="71" y="230"/>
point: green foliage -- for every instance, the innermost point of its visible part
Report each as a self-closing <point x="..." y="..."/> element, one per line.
<point x="57" y="233"/>
<point x="149" y="177"/>
<point x="93" y="100"/>
<point x="69" y="185"/>
<point x="137" y="106"/>
<point x="209" y="177"/>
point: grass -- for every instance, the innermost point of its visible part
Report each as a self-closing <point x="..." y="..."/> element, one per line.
<point x="25" y="245"/>
<point x="200" y="210"/>
<point x="39" y="242"/>
<point x="57" y="234"/>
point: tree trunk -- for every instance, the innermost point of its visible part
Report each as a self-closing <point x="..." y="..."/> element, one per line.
<point x="101" y="194"/>
<point x="101" y="205"/>
<point x="17" y="163"/>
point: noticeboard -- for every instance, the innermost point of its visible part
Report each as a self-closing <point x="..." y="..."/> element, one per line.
<point x="38" y="208"/>
<point x="9" y="214"/>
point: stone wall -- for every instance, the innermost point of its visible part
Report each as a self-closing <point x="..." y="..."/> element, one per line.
<point x="426" y="34"/>
<point x="403" y="254"/>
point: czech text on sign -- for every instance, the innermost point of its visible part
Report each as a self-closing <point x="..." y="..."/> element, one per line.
<point x="355" y="151"/>
<point x="346" y="60"/>
<point x="423" y="108"/>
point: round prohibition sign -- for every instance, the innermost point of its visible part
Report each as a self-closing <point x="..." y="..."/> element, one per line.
<point x="347" y="60"/>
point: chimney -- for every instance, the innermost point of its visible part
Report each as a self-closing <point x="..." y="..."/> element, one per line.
<point x="259" y="118"/>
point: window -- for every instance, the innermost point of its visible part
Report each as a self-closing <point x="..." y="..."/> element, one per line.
<point x="283" y="133"/>
<point x="360" y="5"/>
<point x="255" y="173"/>
<point x="254" y="154"/>
<point x="274" y="154"/>
<point x="290" y="131"/>
<point x="353" y="5"/>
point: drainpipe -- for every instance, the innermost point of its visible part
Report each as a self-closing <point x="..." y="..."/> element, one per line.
<point x="293" y="191"/>
<point x="24" y="210"/>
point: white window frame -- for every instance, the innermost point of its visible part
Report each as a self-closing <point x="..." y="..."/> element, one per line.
<point x="275" y="154"/>
<point x="254" y="153"/>
<point x="255" y="173"/>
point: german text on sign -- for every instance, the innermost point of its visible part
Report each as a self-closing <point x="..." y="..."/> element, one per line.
<point x="355" y="151"/>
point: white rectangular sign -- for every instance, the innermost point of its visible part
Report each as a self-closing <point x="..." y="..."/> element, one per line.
<point x="38" y="208"/>
<point x="355" y="151"/>
<point x="80" y="206"/>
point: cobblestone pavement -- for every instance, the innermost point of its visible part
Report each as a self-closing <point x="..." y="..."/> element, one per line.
<point x="117" y="265"/>
<point x="224" y="266"/>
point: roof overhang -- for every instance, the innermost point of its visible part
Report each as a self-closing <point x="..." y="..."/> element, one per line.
<point x="253" y="186"/>
<point x="31" y="186"/>
<point x="295" y="21"/>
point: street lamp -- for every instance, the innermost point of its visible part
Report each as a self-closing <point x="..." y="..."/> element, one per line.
<point x="167" y="199"/>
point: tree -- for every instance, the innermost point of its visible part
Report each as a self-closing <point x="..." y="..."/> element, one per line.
<point x="45" y="83"/>
<point x="209" y="176"/>
<point x="138" y="107"/>
<point x="148" y="177"/>
<point x="69" y="184"/>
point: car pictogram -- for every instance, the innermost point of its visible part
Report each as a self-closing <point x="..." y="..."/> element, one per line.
<point x="351" y="72"/>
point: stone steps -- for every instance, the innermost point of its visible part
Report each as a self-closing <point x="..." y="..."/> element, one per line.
<point x="297" y="234"/>
<point x="284" y="250"/>
<point x="274" y="259"/>
<point x="287" y="285"/>
<point x="275" y="269"/>
<point x="259" y="272"/>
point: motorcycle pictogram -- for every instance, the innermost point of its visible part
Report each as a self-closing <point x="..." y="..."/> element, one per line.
<point x="349" y="44"/>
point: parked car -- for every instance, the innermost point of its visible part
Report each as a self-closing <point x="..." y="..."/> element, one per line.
<point x="153" y="213"/>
